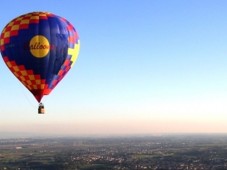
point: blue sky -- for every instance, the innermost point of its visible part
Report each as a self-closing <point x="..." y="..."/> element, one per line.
<point x="151" y="66"/>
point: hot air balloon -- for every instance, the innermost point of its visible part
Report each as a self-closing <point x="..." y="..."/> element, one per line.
<point x="39" y="48"/>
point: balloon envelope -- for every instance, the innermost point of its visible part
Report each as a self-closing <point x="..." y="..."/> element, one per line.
<point x="39" y="48"/>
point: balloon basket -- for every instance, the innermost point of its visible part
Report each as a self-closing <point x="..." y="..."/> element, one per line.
<point x="41" y="109"/>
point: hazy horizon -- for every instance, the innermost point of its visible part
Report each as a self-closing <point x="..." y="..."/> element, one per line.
<point x="21" y="135"/>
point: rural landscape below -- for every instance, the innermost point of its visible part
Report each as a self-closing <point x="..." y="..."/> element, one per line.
<point x="194" y="151"/>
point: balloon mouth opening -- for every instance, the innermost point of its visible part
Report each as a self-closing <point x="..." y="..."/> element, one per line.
<point x="38" y="94"/>
<point x="39" y="98"/>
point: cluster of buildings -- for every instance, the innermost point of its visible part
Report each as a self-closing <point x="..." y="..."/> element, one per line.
<point x="148" y="155"/>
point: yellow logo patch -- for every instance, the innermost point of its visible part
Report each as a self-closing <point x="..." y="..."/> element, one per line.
<point x="39" y="46"/>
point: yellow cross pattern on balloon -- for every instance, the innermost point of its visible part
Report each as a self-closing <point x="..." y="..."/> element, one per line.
<point x="74" y="52"/>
